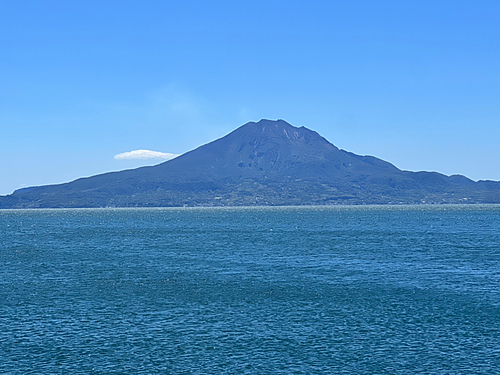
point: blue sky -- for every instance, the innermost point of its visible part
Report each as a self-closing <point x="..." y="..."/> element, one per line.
<point x="416" y="83"/>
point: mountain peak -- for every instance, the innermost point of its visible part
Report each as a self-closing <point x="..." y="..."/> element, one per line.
<point x="276" y="123"/>
<point x="276" y="130"/>
<point x="266" y="125"/>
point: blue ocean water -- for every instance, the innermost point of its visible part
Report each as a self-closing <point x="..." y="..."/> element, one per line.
<point x="313" y="290"/>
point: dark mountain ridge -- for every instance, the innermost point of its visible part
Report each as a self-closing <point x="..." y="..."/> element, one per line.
<point x="260" y="163"/>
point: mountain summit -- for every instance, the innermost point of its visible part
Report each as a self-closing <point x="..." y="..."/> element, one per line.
<point x="260" y="163"/>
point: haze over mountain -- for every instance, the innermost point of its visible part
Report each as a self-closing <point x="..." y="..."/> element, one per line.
<point x="260" y="163"/>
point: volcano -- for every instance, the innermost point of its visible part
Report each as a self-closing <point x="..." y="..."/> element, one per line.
<point x="260" y="163"/>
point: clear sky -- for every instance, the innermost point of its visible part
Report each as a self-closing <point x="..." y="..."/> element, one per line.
<point x="416" y="83"/>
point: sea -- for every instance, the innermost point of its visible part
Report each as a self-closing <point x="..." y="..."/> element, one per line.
<point x="276" y="290"/>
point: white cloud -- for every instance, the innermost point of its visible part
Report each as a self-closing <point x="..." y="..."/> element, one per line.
<point x="145" y="154"/>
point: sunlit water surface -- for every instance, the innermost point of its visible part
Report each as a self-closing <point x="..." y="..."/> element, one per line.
<point x="341" y="290"/>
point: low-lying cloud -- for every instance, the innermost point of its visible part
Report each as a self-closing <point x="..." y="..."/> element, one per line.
<point x="145" y="154"/>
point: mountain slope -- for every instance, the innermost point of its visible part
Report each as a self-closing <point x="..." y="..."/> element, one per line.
<point x="268" y="162"/>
